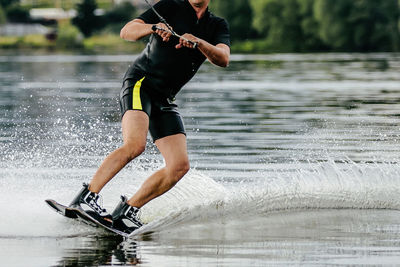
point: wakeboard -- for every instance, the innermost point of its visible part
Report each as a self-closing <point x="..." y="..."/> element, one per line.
<point x="80" y="214"/>
<point x="62" y="209"/>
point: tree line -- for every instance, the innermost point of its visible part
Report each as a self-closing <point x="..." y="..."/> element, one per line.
<point x="312" y="25"/>
<point x="270" y="25"/>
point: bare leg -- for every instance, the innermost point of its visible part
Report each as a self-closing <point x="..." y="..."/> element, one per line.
<point x="174" y="150"/>
<point x="135" y="126"/>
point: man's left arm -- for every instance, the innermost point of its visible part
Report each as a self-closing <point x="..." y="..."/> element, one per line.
<point x="216" y="54"/>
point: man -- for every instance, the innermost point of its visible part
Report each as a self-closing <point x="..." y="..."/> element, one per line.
<point x="147" y="100"/>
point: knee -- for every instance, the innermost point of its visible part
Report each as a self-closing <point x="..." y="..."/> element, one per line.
<point x="131" y="151"/>
<point x="183" y="168"/>
<point x="179" y="170"/>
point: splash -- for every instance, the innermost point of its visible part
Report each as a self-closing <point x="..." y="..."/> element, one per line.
<point x="326" y="185"/>
<point x="197" y="197"/>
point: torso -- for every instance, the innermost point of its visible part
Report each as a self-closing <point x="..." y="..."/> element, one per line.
<point x="167" y="69"/>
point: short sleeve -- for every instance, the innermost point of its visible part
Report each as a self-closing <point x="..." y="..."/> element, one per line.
<point x="222" y="35"/>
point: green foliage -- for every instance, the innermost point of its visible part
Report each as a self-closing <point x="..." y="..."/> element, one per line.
<point x="311" y="40"/>
<point x="6" y="3"/>
<point x="86" y="21"/>
<point x="121" y="13"/>
<point x="239" y="16"/>
<point x="111" y="43"/>
<point x="255" y="25"/>
<point x="343" y="25"/>
<point x="68" y="36"/>
<point x="16" y="13"/>
<point x="33" y="41"/>
<point x="359" y="25"/>
<point x="279" y="21"/>
<point x="2" y="16"/>
<point x="117" y="17"/>
<point x="250" y="46"/>
<point x="9" y="41"/>
<point x="261" y="9"/>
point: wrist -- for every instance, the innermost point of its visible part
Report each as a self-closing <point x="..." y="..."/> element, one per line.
<point x="200" y="43"/>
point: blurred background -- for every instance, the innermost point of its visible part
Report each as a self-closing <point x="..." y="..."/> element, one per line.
<point x="294" y="149"/>
<point x="257" y="26"/>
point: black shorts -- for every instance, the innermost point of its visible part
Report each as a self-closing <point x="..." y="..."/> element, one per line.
<point x="163" y="113"/>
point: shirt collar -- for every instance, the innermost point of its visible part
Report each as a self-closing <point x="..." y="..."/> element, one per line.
<point x="206" y="14"/>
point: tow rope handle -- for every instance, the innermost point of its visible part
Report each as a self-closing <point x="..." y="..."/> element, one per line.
<point x="155" y="27"/>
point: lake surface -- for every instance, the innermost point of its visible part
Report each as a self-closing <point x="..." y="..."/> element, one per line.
<point x="294" y="161"/>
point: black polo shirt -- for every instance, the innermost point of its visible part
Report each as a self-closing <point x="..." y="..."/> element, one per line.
<point x="166" y="68"/>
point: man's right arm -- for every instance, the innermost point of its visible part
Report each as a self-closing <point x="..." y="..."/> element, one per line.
<point x="137" y="29"/>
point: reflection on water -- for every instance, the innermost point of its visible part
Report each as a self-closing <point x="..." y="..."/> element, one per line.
<point x="304" y="237"/>
<point x="277" y="133"/>
<point x="100" y="251"/>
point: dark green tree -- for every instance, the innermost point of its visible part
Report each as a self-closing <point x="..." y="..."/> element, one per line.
<point x="118" y="16"/>
<point x="311" y="40"/>
<point x="86" y="21"/>
<point x="6" y="3"/>
<point x="16" y="13"/>
<point x="2" y="16"/>
<point x="121" y="13"/>
<point x="279" y="22"/>
<point x="239" y="15"/>
<point x="359" y="25"/>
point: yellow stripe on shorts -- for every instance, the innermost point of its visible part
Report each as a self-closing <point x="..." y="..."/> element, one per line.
<point x="137" y="102"/>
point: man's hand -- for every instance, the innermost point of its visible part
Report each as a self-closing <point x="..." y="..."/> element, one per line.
<point x="187" y="40"/>
<point x="163" y="32"/>
<point x="217" y="54"/>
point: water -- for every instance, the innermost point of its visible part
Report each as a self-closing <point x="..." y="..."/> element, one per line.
<point x="294" y="161"/>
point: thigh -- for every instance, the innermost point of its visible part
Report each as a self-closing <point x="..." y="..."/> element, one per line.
<point x="135" y="125"/>
<point x="174" y="149"/>
<point x="165" y="121"/>
<point x="134" y="97"/>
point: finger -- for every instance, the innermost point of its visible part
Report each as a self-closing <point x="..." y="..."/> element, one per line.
<point x="187" y="44"/>
<point x="168" y="34"/>
<point x="165" y="34"/>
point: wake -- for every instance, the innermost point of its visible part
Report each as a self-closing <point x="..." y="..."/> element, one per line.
<point x="197" y="197"/>
<point x="323" y="186"/>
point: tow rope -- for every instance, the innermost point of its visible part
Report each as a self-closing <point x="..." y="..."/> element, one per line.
<point x="155" y="27"/>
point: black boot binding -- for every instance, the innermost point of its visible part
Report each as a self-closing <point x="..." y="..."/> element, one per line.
<point x="87" y="201"/>
<point x="125" y="217"/>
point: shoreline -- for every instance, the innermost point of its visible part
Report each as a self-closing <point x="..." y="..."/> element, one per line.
<point x="112" y="43"/>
